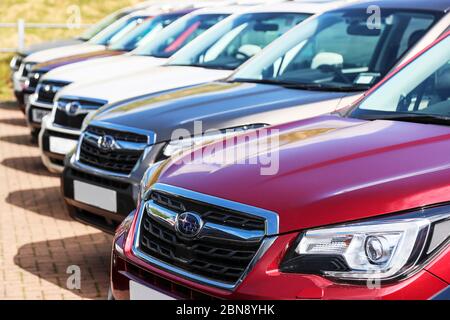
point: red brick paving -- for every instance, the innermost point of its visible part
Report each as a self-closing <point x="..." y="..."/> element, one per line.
<point x="38" y="239"/>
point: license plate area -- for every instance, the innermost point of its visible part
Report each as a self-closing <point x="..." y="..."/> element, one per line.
<point x="61" y="146"/>
<point x="141" y="292"/>
<point x="95" y="196"/>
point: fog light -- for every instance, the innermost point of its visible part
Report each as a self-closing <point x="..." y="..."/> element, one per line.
<point x="377" y="250"/>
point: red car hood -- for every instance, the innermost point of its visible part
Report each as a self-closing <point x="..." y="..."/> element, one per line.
<point x="332" y="170"/>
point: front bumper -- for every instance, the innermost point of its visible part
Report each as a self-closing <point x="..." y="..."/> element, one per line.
<point x="34" y="107"/>
<point x="126" y="188"/>
<point x="265" y="281"/>
<point x="100" y="218"/>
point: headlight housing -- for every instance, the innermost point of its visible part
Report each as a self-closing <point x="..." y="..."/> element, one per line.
<point x="87" y="120"/>
<point x="382" y="249"/>
<point x="181" y="145"/>
<point x="14" y="63"/>
<point x="150" y="177"/>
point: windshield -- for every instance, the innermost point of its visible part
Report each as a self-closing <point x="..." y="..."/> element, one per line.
<point x="104" y="23"/>
<point x="339" y="50"/>
<point x="144" y="32"/>
<point x="180" y="33"/>
<point x="421" y="88"/>
<point x="236" y="40"/>
<point x="117" y="30"/>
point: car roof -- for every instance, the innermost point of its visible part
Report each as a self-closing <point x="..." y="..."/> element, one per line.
<point x="299" y="6"/>
<point x="222" y="10"/>
<point x="429" y="5"/>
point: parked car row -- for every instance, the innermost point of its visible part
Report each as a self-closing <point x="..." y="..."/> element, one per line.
<point x="297" y="150"/>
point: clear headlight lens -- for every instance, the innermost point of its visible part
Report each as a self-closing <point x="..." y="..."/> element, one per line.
<point x="381" y="249"/>
<point x="178" y="146"/>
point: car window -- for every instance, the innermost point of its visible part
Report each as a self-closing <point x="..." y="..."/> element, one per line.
<point x="338" y="49"/>
<point x="178" y="34"/>
<point x="146" y="30"/>
<point x="117" y="30"/>
<point x="103" y="24"/>
<point x="421" y="87"/>
<point x="237" y="39"/>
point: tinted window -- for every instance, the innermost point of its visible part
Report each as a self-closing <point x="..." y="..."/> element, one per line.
<point x="181" y="32"/>
<point x="422" y="87"/>
<point x="236" y="40"/>
<point x="117" y="30"/>
<point x="339" y="49"/>
<point x="145" y="31"/>
<point x="104" y="23"/>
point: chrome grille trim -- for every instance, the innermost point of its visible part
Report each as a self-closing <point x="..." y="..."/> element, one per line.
<point x="75" y="161"/>
<point x="268" y="236"/>
<point x="210" y="230"/>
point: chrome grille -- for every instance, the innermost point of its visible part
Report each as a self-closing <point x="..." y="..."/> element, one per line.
<point x="221" y="254"/>
<point x="121" y="158"/>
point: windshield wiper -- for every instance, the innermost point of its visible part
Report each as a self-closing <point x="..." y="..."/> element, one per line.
<point x="414" y="117"/>
<point x="305" y="86"/>
<point x="200" y="65"/>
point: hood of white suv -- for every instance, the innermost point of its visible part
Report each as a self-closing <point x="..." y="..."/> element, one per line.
<point x="57" y="53"/>
<point x="103" y="68"/>
<point x="150" y="80"/>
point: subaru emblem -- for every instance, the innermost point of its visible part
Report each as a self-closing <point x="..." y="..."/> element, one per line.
<point x="72" y="108"/>
<point x="188" y="224"/>
<point x="106" y="143"/>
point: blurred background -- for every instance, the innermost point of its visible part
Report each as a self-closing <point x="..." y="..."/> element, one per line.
<point x="69" y="16"/>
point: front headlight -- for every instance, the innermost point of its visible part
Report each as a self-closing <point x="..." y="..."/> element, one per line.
<point x="13" y="63"/>
<point x="87" y="120"/>
<point x="36" y="76"/>
<point x="181" y="145"/>
<point x="382" y="249"/>
<point x="150" y="177"/>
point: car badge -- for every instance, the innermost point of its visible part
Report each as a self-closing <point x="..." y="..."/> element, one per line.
<point x="188" y="224"/>
<point x="106" y="143"/>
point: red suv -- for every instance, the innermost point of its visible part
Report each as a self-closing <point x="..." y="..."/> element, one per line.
<point x="358" y="208"/>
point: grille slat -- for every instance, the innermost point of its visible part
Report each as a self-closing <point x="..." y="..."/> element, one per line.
<point x="223" y="261"/>
<point x="120" y="161"/>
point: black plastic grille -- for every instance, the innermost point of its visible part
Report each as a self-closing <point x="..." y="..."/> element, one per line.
<point x="33" y="80"/>
<point x="209" y="213"/>
<point x="217" y="260"/>
<point x="74" y="121"/>
<point x="120" y="161"/>
<point x="27" y="68"/>
<point x="67" y="120"/>
<point x="48" y="89"/>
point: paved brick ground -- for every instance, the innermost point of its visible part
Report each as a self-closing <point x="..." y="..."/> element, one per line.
<point x="38" y="240"/>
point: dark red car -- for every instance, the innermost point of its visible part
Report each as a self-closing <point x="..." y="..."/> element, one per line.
<point x="358" y="208"/>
